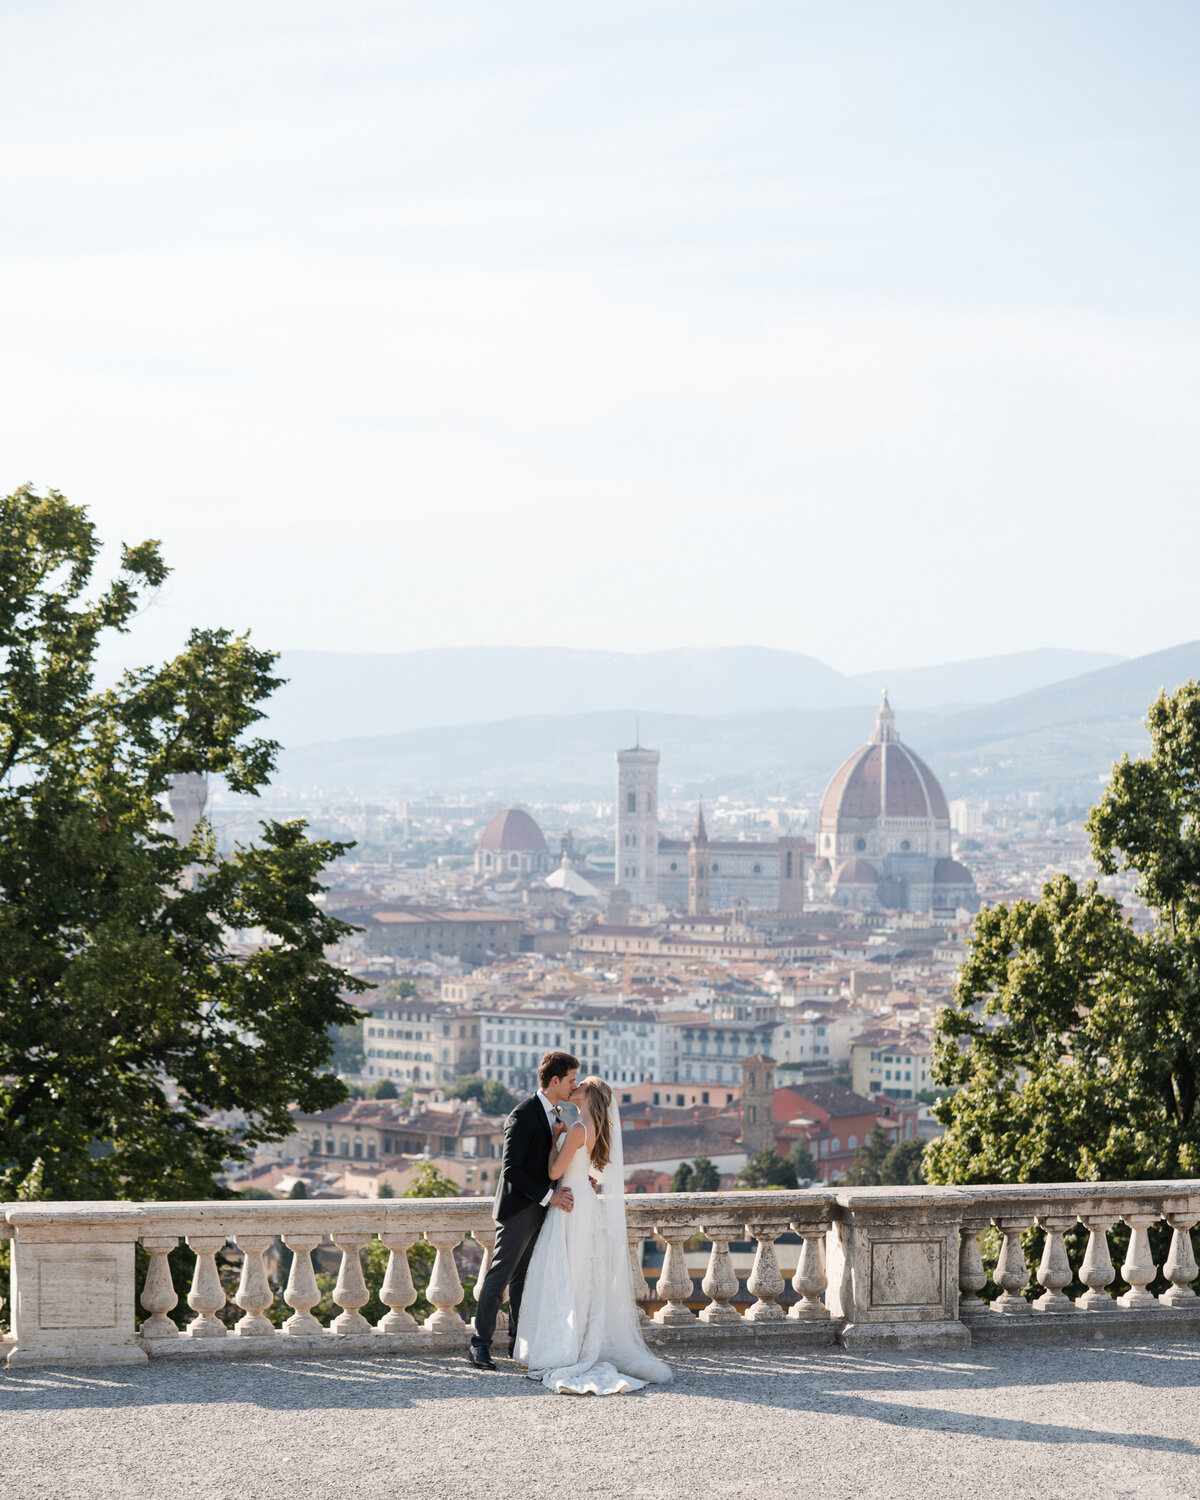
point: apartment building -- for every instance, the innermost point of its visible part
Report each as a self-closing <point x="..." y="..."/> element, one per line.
<point x="419" y="1041"/>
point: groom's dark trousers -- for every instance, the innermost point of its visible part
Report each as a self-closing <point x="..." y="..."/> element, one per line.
<point x="523" y="1182"/>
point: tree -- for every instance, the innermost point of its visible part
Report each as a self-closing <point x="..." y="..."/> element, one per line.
<point x="430" y="1183"/>
<point x="299" y="1189"/>
<point x="489" y="1093"/>
<point x="385" y="1190"/>
<point x="705" y="1177"/>
<point x="681" y="1181"/>
<point x="346" y="1042"/>
<point x="869" y="1159"/>
<point x="1072" y="1043"/>
<point x="386" y="1089"/>
<point x="125" y="1021"/>
<point x="767" y="1169"/>
<point x="801" y="1158"/>
<point x="903" y="1164"/>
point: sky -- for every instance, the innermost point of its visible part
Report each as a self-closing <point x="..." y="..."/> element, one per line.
<point x="869" y="330"/>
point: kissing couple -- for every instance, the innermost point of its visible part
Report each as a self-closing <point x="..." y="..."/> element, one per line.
<point x="561" y="1246"/>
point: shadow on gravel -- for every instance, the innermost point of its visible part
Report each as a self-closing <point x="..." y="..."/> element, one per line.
<point x="862" y="1387"/>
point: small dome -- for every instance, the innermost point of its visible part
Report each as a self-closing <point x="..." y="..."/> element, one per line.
<point x="950" y="872"/>
<point x="822" y="868"/>
<point x="855" y="872"/>
<point x="512" y="832"/>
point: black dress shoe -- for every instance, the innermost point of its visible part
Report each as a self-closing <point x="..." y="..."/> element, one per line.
<point x="481" y="1357"/>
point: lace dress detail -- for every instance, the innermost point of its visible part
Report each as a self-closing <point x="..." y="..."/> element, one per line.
<point x="566" y="1334"/>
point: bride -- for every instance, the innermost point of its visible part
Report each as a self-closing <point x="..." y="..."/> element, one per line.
<point x="579" y="1331"/>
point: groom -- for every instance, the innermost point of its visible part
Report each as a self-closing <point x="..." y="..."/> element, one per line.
<point x="523" y="1194"/>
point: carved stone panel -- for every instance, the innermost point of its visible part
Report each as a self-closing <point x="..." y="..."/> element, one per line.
<point x="906" y="1273"/>
<point x="77" y="1294"/>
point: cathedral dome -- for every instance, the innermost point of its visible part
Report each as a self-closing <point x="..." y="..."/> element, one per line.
<point x="883" y="779"/>
<point x="512" y="832"/>
<point x="855" y="872"/>
<point x="950" y="872"/>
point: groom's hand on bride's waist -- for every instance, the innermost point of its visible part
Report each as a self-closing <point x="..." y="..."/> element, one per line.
<point x="563" y="1198"/>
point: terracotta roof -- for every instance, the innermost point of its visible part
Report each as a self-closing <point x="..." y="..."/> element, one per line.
<point x="883" y="778"/>
<point x="855" y="872"/>
<point x="512" y="831"/>
<point x="950" y="872"/>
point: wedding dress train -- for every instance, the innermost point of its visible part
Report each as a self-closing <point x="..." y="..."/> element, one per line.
<point x="579" y="1331"/>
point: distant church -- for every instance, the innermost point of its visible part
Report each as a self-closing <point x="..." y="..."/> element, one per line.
<point x="883" y="842"/>
<point x="700" y="874"/>
<point x="883" y="834"/>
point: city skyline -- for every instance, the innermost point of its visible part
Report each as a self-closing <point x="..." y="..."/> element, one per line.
<point x="639" y="327"/>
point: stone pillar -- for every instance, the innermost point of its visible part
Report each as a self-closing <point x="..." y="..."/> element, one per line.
<point x="302" y="1292"/>
<point x="254" y="1294"/>
<point x="893" y="1259"/>
<point x="1012" y="1272"/>
<point x="207" y="1296"/>
<point x="158" y="1293"/>
<point x="765" y="1280"/>
<point x="486" y="1238"/>
<point x="1180" y="1268"/>
<point x="1139" y="1269"/>
<point x="445" y="1289"/>
<point x="637" y="1278"/>
<point x="1097" y="1270"/>
<point x="1054" y="1269"/>
<point x="720" y="1282"/>
<point x="674" y="1281"/>
<point x="972" y="1278"/>
<point x="351" y="1292"/>
<point x="810" y="1280"/>
<point x="72" y="1284"/>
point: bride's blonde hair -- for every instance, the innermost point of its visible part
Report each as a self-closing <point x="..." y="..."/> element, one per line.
<point x="599" y="1097"/>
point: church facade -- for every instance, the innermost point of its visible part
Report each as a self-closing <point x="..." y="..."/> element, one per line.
<point x="695" y="875"/>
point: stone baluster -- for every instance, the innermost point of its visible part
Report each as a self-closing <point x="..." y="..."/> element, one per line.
<point x="674" y="1281"/>
<point x="1180" y="1268"/>
<point x="486" y="1238"/>
<point x="1054" y="1268"/>
<point x="445" y="1289"/>
<point x="158" y="1293"/>
<point x="302" y="1292"/>
<point x="765" y="1280"/>
<point x="351" y="1292"/>
<point x="810" y="1280"/>
<point x="972" y="1278"/>
<point x="254" y="1295"/>
<point x="1097" y="1270"/>
<point x="1139" y="1269"/>
<point x="637" y="1277"/>
<point x="207" y="1295"/>
<point x="720" y="1282"/>
<point x="1011" y="1273"/>
<point x="398" y="1292"/>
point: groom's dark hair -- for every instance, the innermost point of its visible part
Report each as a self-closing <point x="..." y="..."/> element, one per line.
<point x="555" y="1065"/>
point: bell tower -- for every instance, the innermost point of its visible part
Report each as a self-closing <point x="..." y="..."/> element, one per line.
<point x="758" y="1103"/>
<point x="699" y="868"/>
<point x="637" y="824"/>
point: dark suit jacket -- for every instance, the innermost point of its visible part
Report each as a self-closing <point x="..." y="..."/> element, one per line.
<point x="525" y="1166"/>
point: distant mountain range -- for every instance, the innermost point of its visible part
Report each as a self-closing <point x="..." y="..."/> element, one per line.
<point x="333" y="695"/>
<point x="1061" y="738"/>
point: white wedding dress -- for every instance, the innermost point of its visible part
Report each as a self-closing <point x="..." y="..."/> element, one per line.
<point x="579" y="1330"/>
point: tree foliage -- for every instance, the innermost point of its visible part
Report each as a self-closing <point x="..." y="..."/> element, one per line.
<point x="489" y="1093"/>
<point x="125" y="1021"/>
<point x="767" y="1169"/>
<point x="1073" y="1042"/>
<point x="705" y="1177"/>
<point x="681" y="1178"/>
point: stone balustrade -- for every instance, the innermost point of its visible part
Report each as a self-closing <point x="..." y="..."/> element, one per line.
<point x="873" y="1267"/>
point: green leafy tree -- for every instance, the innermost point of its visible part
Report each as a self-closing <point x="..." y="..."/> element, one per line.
<point x="681" y="1180"/>
<point x="705" y="1177"/>
<point x="801" y="1158"/>
<point x="299" y="1190"/>
<point x="767" y="1169"/>
<point x="346" y="1046"/>
<point x="1073" y="1043"/>
<point x="869" y="1160"/>
<point x="902" y="1166"/>
<point x="489" y="1093"/>
<point x="386" y="1089"/>
<point x="125" y="1021"/>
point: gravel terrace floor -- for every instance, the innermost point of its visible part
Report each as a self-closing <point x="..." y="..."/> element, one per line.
<point x="1105" y="1419"/>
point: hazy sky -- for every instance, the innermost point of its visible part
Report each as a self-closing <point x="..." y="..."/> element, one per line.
<point x="868" y="330"/>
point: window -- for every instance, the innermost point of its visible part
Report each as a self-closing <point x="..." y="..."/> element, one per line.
<point x="835" y="1145"/>
<point x="789" y="864"/>
<point x="852" y="1143"/>
<point x="344" y="1143"/>
<point x="316" y="1142"/>
<point x="329" y="1147"/>
<point x="860" y="844"/>
<point x="631" y="802"/>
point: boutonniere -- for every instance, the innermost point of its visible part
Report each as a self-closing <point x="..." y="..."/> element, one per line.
<point x="558" y="1111"/>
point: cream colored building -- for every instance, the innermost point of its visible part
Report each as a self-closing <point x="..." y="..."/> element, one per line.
<point x="419" y="1041"/>
<point x="888" y="1061"/>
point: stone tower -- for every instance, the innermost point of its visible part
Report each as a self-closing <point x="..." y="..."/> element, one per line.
<point x="188" y="794"/>
<point x="758" y="1103"/>
<point x="637" y="824"/>
<point x="699" y="864"/>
